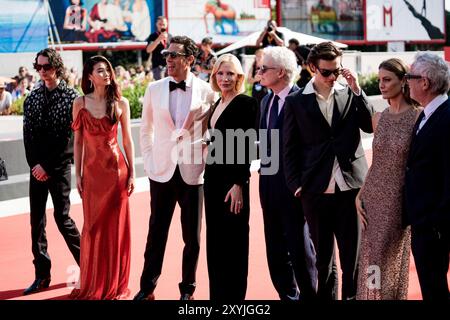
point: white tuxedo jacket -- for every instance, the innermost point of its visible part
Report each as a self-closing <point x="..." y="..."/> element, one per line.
<point x="164" y="146"/>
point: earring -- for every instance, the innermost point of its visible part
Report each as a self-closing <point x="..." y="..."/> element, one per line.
<point x="90" y="86"/>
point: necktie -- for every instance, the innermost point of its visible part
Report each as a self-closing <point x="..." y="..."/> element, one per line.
<point x="419" y="120"/>
<point x="180" y="85"/>
<point x="273" y="116"/>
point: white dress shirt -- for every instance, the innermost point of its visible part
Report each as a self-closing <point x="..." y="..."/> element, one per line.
<point x="430" y="108"/>
<point x="180" y="102"/>
<point x="326" y="105"/>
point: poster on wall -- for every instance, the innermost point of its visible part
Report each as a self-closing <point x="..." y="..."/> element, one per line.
<point x="105" y="20"/>
<point x="225" y="21"/>
<point x="338" y="20"/>
<point x="23" y="26"/>
<point x="405" y="20"/>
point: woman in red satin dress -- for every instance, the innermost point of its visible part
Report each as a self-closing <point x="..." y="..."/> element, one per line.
<point x="105" y="180"/>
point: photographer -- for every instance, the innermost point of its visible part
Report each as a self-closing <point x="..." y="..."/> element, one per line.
<point x="205" y="60"/>
<point x="270" y="36"/>
<point x="157" y="42"/>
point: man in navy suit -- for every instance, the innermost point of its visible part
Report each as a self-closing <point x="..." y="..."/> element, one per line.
<point x="427" y="184"/>
<point x="325" y="164"/>
<point x="290" y="253"/>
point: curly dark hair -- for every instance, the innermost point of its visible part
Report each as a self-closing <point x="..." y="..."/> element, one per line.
<point x="190" y="48"/>
<point x="54" y="59"/>
<point x="323" y="51"/>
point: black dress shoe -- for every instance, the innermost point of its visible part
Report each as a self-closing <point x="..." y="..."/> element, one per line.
<point x="187" y="296"/>
<point x="38" y="285"/>
<point x="141" y="295"/>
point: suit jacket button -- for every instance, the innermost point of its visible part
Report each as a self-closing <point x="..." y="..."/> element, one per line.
<point x="407" y="168"/>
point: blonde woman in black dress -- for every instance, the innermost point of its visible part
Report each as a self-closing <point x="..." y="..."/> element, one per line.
<point x="226" y="186"/>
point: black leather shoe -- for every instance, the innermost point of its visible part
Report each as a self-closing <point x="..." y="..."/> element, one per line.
<point x="38" y="285"/>
<point x="187" y="296"/>
<point x="141" y="295"/>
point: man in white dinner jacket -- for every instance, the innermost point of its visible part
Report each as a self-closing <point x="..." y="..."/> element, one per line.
<point x="174" y="119"/>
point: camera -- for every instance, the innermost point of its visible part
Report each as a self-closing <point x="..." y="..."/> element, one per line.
<point x="163" y="29"/>
<point x="269" y="26"/>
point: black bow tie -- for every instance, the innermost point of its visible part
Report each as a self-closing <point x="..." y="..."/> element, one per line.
<point x="181" y="85"/>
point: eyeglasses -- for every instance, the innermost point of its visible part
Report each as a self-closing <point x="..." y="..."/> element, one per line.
<point x="326" y="73"/>
<point x="264" y="68"/>
<point x="409" y="76"/>
<point x="46" y="67"/>
<point x="172" y="54"/>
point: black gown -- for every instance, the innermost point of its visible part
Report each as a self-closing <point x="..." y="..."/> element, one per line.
<point x="227" y="234"/>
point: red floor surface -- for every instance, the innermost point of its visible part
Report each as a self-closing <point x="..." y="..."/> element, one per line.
<point x="17" y="272"/>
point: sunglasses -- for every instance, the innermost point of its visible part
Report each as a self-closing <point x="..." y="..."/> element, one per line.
<point x="264" y="68"/>
<point x="326" y="73"/>
<point x="409" y="76"/>
<point x="46" y="67"/>
<point x="172" y="54"/>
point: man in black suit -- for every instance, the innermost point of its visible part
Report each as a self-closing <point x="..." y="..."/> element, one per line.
<point x="325" y="164"/>
<point x="290" y="253"/>
<point x="427" y="184"/>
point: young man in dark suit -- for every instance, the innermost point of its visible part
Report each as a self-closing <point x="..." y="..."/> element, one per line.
<point x="325" y="164"/>
<point x="290" y="253"/>
<point x="427" y="184"/>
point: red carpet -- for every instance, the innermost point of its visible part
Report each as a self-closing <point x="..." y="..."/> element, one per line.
<point x="17" y="272"/>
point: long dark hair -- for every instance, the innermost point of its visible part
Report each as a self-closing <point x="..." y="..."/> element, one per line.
<point x="399" y="68"/>
<point x="113" y="93"/>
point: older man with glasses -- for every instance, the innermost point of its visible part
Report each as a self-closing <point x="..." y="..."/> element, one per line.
<point x="427" y="177"/>
<point x="290" y="253"/>
<point x="325" y="164"/>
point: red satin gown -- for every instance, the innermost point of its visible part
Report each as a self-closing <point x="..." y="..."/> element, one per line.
<point x="105" y="239"/>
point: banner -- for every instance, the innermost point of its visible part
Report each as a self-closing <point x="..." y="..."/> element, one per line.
<point x="23" y="26"/>
<point x="402" y="20"/>
<point x="329" y="19"/>
<point x="105" y="20"/>
<point x="225" y="21"/>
